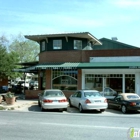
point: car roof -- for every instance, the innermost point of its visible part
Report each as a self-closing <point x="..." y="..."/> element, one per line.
<point x="126" y="94"/>
<point x="88" y="90"/>
<point x="52" y="90"/>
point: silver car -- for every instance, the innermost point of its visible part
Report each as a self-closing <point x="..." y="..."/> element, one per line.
<point x="52" y="99"/>
<point x="88" y="100"/>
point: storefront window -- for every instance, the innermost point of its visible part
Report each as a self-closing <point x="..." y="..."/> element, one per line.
<point x="112" y="82"/>
<point x="130" y="83"/>
<point x="64" y="79"/>
<point x="93" y="83"/>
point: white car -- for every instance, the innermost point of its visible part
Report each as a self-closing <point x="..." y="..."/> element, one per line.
<point x="109" y="93"/>
<point x="88" y="100"/>
<point x="52" y="99"/>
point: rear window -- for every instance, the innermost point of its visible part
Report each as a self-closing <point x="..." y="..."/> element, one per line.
<point x="133" y="97"/>
<point x="92" y="94"/>
<point x="53" y="93"/>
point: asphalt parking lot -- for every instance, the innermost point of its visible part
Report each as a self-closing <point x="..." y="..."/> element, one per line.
<point x="33" y="107"/>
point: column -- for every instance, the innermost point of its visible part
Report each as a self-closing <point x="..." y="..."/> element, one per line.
<point x="48" y="79"/>
<point x="137" y="83"/>
<point x="79" y="79"/>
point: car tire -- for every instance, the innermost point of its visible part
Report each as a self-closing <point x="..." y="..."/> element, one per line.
<point x="123" y="109"/>
<point x="42" y="109"/>
<point x="65" y="109"/>
<point x="102" y="110"/>
<point x="80" y="108"/>
<point x="70" y="103"/>
<point x="39" y="103"/>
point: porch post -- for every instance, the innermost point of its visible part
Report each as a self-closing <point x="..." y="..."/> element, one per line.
<point x="48" y="79"/>
<point x="79" y="79"/>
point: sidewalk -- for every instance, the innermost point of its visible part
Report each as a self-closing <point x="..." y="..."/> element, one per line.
<point x="18" y="104"/>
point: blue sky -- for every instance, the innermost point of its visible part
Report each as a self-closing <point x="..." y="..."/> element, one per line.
<point x="102" y="18"/>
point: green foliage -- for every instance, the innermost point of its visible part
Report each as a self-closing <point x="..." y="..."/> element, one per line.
<point x="7" y="62"/>
<point x="27" y="50"/>
<point x="2" y="108"/>
<point x="9" y="95"/>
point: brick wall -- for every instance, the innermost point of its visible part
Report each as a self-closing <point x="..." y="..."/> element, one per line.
<point x="3" y="82"/>
<point x="83" y="55"/>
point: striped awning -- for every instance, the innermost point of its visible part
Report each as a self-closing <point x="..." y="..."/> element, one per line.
<point x="66" y="65"/>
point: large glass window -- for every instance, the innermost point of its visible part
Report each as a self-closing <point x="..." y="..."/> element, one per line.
<point x="57" y="44"/>
<point x="64" y="79"/>
<point x="110" y="83"/>
<point x="43" y="46"/>
<point x="78" y="44"/>
<point x="130" y="83"/>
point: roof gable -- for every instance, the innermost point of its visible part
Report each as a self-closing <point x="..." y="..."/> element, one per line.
<point x="112" y="44"/>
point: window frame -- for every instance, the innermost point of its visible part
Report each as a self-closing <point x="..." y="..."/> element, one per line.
<point x="57" y="44"/>
<point x="77" y="47"/>
<point x="43" y="45"/>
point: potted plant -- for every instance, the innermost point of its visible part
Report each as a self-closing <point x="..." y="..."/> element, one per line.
<point x="10" y="98"/>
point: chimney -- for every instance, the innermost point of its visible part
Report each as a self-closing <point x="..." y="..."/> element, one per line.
<point x="114" y="38"/>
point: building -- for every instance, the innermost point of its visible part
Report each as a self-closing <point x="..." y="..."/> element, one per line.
<point x="72" y="61"/>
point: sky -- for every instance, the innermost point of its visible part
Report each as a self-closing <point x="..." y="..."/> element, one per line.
<point x="102" y="18"/>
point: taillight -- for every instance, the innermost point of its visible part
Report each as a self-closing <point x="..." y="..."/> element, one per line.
<point x="132" y="104"/>
<point x="87" y="101"/>
<point x="47" y="101"/>
<point x="63" y="100"/>
<point x="105" y="101"/>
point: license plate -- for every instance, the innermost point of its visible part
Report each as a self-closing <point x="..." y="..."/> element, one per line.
<point x="55" y="100"/>
<point x="97" y="101"/>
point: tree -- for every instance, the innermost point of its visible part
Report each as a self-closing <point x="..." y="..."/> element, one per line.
<point x="7" y="60"/>
<point x="26" y="49"/>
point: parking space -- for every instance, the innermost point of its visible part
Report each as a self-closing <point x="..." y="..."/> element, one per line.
<point x="35" y="108"/>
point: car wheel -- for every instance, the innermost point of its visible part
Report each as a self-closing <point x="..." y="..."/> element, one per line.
<point x="70" y="103"/>
<point x="42" y="109"/>
<point x="102" y="110"/>
<point x="123" y="109"/>
<point x="80" y="108"/>
<point x="39" y="103"/>
<point x="65" y="109"/>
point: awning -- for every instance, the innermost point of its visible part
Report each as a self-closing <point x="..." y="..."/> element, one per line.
<point x="93" y="65"/>
<point x="67" y="65"/>
<point x="109" y="65"/>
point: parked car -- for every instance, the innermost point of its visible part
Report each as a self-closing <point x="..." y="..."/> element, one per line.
<point x="33" y="84"/>
<point x="109" y="93"/>
<point x="52" y="99"/>
<point x="25" y="84"/>
<point x="88" y="100"/>
<point x="125" y="102"/>
<point x="3" y="89"/>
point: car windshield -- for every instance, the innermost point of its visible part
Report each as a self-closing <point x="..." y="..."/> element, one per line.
<point x="92" y="94"/>
<point x="134" y="97"/>
<point x="53" y="93"/>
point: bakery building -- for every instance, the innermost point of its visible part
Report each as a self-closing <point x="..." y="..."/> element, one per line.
<point x="72" y="61"/>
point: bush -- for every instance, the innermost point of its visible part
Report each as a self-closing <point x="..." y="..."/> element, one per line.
<point x="9" y="95"/>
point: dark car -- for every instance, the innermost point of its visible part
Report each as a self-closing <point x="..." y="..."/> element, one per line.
<point x="125" y="102"/>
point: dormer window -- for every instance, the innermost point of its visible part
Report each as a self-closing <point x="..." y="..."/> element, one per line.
<point x="43" y="46"/>
<point x="57" y="44"/>
<point x="78" y="44"/>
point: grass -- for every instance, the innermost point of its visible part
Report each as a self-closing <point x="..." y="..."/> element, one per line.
<point x="2" y="108"/>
